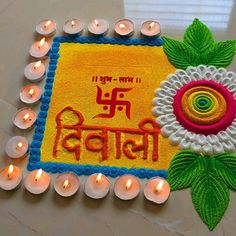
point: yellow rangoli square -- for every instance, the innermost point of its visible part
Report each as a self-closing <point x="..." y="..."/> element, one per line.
<point x="97" y="108"/>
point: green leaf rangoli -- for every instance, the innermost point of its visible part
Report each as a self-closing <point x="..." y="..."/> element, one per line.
<point x="210" y="179"/>
<point x="199" y="47"/>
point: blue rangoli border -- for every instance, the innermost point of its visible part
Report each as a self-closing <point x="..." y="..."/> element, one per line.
<point x="54" y="167"/>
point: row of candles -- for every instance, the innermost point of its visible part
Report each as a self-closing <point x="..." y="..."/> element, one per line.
<point x="98" y="27"/>
<point x="123" y="27"/>
<point x="97" y="186"/>
<point x="17" y="146"/>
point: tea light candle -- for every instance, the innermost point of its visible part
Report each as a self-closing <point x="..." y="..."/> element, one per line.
<point x="124" y="27"/>
<point x="73" y="27"/>
<point x="40" y="49"/>
<point x="151" y="28"/>
<point x="24" y="118"/>
<point x="10" y="177"/>
<point x="46" y="27"/>
<point x="157" y="190"/>
<point x="35" y="71"/>
<point x="30" y="94"/>
<point x="98" y="27"/>
<point x="16" y="147"/>
<point x="127" y="187"/>
<point x="97" y="186"/>
<point x="37" y="181"/>
<point x="67" y="184"/>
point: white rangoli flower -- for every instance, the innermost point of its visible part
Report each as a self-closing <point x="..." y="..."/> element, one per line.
<point x="196" y="109"/>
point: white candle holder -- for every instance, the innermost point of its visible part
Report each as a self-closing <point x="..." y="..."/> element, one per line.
<point x="37" y="181"/>
<point x="124" y="27"/>
<point x="30" y="94"/>
<point x="24" y="118"/>
<point x="98" y="27"/>
<point x="40" y="49"/>
<point x="35" y="71"/>
<point x="16" y="147"/>
<point x="73" y="27"/>
<point x="157" y="190"/>
<point x="46" y="27"/>
<point x="151" y="28"/>
<point x="10" y="177"/>
<point x="97" y="186"/>
<point x="67" y="184"/>
<point x="127" y="187"/>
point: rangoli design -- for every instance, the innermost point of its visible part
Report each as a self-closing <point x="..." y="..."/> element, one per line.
<point x="97" y="114"/>
<point x="196" y="109"/>
<point x="102" y="136"/>
<point x="113" y="103"/>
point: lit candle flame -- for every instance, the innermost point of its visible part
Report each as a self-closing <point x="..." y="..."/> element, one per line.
<point x="159" y="186"/>
<point x="99" y="177"/>
<point x="31" y="92"/>
<point x="47" y="24"/>
<point x="41" y="43"/>
<point x="10" y="170"/>
<point x="128" y="184"/>
<point x="66" y="183"/>
<point x="38" y="174"/>
<point x="96" y="22"/>
<point x="37" y="65"/>
<point x="151" y="25"/>
<point x="122" y="26"/>
<point x="72" y="23"/>
<point x="26" y="117"/>
<point x="19" y="145"/>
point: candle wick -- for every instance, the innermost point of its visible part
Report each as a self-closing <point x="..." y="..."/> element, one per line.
<point x="10" y="171"/>
<point x="122" y="26"/>
<point x="19" y="146"/>
<point x="37" y="65"/>
<point x="41" y="43"/>
<point x="159" y="186"/>
<point x="157" y="190"/>
<point x="99" y="178"/>
<point x="31" y="92"/>
<point x="151" y="25"/>
<point x="65" y="184"/>
<point x="128" y="184"/>
<point x="96" y="23"/>
<point x="72" y="23"/>
<point x="36" y="179"/>
<point x="47" y="24"/>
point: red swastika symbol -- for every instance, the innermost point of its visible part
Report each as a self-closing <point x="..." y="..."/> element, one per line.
<point x="113" y="102"/>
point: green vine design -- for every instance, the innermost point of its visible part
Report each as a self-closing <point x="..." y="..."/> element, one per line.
<point x="199" y="47"/>
<point x="210" y="178"/>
